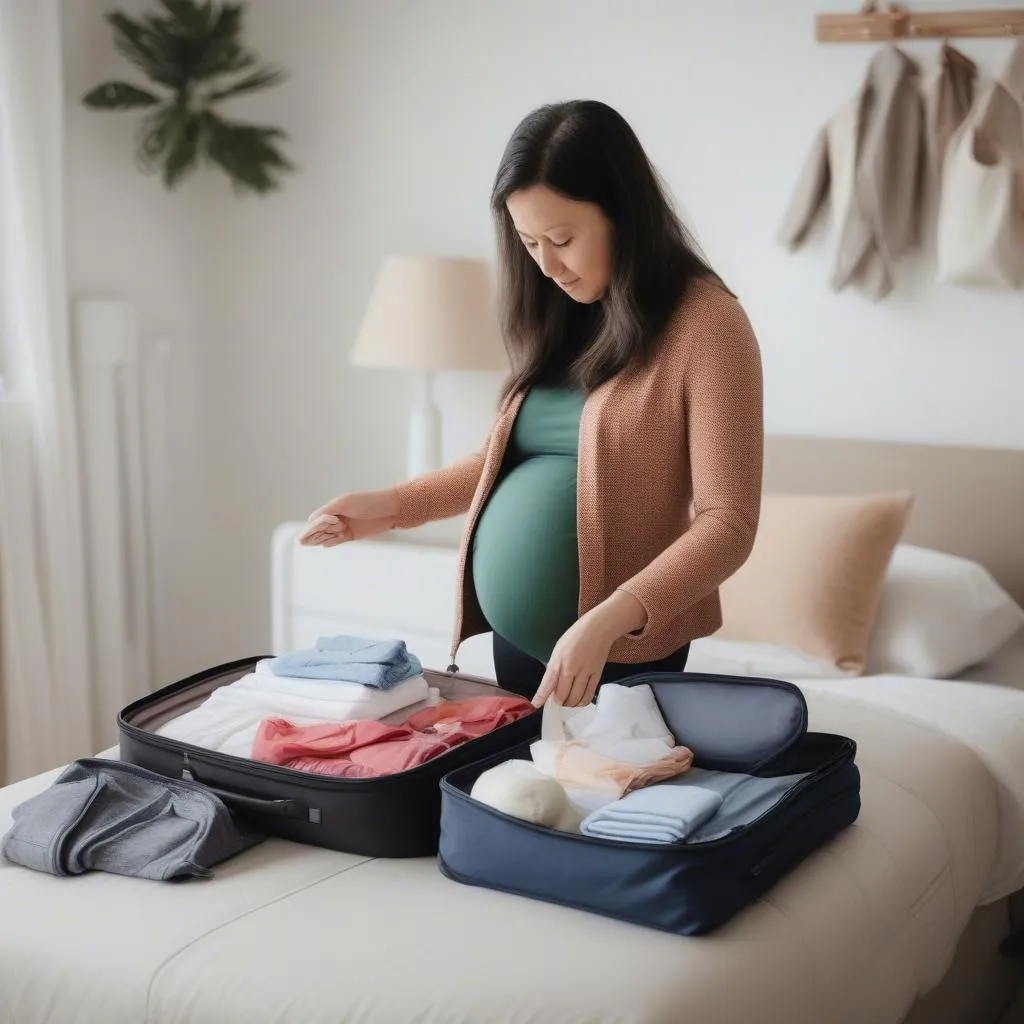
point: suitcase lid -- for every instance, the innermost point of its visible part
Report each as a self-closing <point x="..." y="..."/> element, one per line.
<point x="731" y="723"/>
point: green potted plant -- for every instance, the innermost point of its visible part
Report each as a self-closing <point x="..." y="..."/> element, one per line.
<point x="194" y="58"/>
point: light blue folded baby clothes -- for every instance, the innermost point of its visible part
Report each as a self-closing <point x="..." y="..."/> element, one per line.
<point x="656" y="814"/>
<point x="351" y="659"/>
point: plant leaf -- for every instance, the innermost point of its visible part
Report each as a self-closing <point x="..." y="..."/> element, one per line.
<point x="257" y="80"/>
<point x="137" y="43"/>
<point x="160" y="132"/>
<point x="195" y="18"/>
<point x="118" y="96"/>
<point x="218" y="49"/>
<point x="183" y="151"/>
<point x="246" y="153"/>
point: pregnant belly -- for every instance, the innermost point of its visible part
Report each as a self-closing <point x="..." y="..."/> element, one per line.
<point x="525" y="560"/>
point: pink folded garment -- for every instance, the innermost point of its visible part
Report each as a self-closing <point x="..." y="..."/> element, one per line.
<point x="367" y="749"/>
<point x="579" y="767"/>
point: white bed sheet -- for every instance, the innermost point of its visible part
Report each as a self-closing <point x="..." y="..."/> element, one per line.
<point x="286" y="932"/>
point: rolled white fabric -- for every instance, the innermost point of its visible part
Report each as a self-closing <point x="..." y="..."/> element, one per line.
<point x="520" y="789"/>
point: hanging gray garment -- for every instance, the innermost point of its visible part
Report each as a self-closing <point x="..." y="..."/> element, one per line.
<point x="110" y="816"/>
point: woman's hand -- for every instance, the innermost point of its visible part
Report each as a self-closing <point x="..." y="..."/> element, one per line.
<point x="351" y="517"/>
<point x="579" y="657"/>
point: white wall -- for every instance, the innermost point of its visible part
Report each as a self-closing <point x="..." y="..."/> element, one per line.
<point x="127" y="238"/>
<point x="398" y="112"/>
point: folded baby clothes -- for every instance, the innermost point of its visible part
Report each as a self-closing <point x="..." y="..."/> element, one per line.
<point x="658" y="814"/>
<point x="520" y="789"/>
<point x="619" y="744"/>
<point x="378" y="663"/>
<point x="103" y="815"/>
<point x="624" y="724"/>
<point x="372" y="749"/>
<point x="577" y="766"/>
<point x="619" y="713"/>
<point x="228" y="720"/>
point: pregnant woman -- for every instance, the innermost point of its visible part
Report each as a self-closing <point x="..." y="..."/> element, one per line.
<point x="620" y="484"/>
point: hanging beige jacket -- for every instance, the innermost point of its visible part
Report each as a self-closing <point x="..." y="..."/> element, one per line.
<point x="980" y="236"/>
<point x="868" y="160"/>
<point x="948" y="96"/>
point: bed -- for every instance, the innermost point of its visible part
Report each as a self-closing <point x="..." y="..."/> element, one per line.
<point x="898" y="920"/>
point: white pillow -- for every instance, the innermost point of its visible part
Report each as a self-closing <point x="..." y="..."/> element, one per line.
<point x="768" y="661"/>
<point x="938" y="615"/>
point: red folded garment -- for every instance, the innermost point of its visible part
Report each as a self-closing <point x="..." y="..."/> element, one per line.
<point x="367" y="749"/>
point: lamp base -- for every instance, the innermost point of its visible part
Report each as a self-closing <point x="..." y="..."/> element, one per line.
<point x="424" y="446"/>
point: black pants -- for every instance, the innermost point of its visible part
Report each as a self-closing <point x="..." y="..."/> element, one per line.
<point x="520" y="673"/>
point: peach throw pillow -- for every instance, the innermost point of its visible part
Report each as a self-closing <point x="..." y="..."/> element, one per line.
<point x="814" y="578"/>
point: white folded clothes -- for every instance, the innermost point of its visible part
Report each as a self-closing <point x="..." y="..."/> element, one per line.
<point x="227" y="721"/>
<point x="624" y="724"/>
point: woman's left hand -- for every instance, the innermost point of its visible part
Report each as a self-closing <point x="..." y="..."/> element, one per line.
<point x="578" y="659"/>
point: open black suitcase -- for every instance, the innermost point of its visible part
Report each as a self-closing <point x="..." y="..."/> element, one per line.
<point x="756" y="727"/>
<point x="392" y="816"/>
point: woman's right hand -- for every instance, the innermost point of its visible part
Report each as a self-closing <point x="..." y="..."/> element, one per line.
<point x="351" y="517"/>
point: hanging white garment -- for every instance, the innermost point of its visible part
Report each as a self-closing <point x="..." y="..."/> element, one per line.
<point x="981" y="213"/>
<point x="948" y="87"/>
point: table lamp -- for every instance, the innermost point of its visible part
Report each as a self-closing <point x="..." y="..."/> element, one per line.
<point x="427" y="314"/>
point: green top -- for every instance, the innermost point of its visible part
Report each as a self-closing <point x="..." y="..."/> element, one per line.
<point x="525" y="553"/>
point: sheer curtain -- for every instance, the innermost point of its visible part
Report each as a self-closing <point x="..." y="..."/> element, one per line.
<point x="46" y="690"/>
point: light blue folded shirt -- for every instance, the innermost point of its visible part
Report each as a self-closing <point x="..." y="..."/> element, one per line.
<point x="697" y="806"/>
<point x="657" y="814"/>
<point x="382" y="664"/>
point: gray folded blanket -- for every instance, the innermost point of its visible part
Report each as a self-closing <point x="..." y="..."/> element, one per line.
<point x="110" y="816"/>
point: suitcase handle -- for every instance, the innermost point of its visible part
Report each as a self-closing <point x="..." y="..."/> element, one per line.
<point x="284" y="808"/>
<point x="281" y="808"/>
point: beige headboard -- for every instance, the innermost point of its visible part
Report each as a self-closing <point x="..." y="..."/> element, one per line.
<point x="969" y="501"/>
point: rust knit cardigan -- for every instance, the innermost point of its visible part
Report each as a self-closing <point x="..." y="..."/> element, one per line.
<point x="669" y="479"/>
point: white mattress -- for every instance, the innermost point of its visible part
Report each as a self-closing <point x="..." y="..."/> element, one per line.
<point x="292" y="933"/>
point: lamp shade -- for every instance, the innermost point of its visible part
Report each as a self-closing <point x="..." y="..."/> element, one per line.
<point x="430" y="313"/>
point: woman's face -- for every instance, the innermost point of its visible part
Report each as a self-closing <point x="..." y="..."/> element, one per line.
<point x="570" y="241"/>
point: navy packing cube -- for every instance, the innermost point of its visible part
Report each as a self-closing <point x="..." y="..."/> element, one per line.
<point x="732" y="724"/>
<point x="390" y="816"/>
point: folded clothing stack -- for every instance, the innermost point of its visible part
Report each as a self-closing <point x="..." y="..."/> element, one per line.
<point x="660" y="814"/>
<point x="381" y="664"/>
<point x="697" y="807"/>
<point x="228" y="720"/>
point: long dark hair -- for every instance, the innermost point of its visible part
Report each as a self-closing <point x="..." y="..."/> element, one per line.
<point x="587" y="151"/>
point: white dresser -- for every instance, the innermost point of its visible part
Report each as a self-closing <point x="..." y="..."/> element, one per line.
<point x="397" y="586"/>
